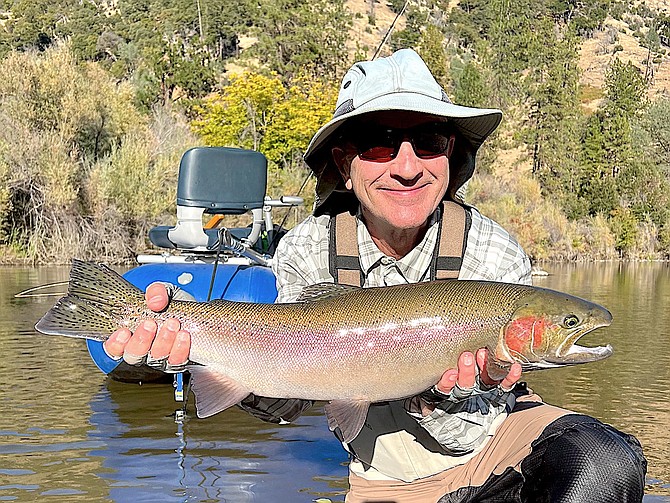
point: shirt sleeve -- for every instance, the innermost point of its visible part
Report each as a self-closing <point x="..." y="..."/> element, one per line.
<point x="492" y="254"/>
<point x="301" y="258"/>
<point x="464" y="421"/>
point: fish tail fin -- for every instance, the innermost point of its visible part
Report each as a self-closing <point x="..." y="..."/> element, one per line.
<point x="94" y="306"/>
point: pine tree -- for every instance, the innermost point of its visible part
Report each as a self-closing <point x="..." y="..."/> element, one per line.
<point x="294" y="35"/>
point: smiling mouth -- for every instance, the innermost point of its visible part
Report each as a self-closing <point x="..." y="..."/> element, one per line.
<point x="409" y="190"/>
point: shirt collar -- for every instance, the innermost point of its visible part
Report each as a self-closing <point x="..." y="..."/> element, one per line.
<point x="414" y="266"/>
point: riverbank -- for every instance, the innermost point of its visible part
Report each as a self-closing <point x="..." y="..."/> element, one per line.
<point x="541" y="268"/>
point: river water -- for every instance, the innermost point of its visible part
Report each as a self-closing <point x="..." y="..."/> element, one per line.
<point x="69" y="434"/>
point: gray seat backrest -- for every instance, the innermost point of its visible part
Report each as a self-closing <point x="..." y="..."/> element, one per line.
<point x="222" y="180"/>
<point x="213" y="180"/>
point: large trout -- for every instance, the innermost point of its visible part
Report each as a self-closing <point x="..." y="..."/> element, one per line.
<point x="349" y="346"/>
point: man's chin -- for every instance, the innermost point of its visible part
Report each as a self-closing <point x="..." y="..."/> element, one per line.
<point x="408" y="220"/>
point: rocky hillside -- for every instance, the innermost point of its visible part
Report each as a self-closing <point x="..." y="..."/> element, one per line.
<point x="616" y="39"/>
<point x="366" y="37"/>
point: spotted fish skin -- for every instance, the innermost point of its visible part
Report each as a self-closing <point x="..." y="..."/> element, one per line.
<point x="349" y="346"/>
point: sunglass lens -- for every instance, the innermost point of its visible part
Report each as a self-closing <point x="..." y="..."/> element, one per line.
<point x="379" y="145"/>
<point x="378" y="153"/>
<point x="428" y="144"/>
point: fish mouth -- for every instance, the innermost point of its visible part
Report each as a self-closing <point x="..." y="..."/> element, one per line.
<point x="570" y="353"/>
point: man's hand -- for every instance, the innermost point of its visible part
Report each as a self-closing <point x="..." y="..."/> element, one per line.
<point x="466" y="373"/>
<point x="148" y="342"/>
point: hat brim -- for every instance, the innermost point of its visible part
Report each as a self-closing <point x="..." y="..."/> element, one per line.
<point x="475" y="123"/>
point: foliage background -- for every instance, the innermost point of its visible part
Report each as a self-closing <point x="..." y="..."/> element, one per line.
<point x="99" y="100"/>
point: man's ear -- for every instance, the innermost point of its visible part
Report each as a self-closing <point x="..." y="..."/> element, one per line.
<point x="450" y="148"/>
<point x="342" y="161"/>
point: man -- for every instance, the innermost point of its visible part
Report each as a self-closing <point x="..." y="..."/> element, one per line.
<point x="390" y="168"/>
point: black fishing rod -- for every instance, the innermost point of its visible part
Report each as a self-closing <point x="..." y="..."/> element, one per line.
<point x="388" y="32"/>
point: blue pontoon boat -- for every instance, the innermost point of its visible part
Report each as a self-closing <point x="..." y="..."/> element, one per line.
<point x="207" y="260"/>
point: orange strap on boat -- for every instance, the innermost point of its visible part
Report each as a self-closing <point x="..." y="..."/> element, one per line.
<point x="214" y="222"/>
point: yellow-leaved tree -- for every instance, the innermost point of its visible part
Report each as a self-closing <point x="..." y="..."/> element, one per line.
<point x="238" y="116"/>
<point x="259" y="112"/>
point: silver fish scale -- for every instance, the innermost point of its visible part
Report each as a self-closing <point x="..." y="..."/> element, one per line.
<point x="352" y="344"/>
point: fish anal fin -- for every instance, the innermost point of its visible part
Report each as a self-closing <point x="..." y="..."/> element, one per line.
<point x="347" y="415"/>
<point x="214" y="391"/>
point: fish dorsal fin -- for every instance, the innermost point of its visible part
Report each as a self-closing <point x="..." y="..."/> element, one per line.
<point x="213" y="391"/>
<point x="347" y="415"/>
<point x="321" y="291"/>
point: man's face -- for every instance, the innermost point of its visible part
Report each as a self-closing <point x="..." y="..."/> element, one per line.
<point x="400" y="192"/>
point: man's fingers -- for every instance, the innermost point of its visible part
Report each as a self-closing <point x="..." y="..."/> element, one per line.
<point x="116" y="343"/>
<point x="140" y="342"/>
<point x="157" y="297"/>
<point x="165" y="339"/>
<point x="512" y="377"/>
<point x="447" y="381"/>
<point x="180" y="349"/>
<point x="466" y="370"/>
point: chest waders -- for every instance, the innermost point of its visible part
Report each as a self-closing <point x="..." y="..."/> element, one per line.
<point x="454" y="224"/>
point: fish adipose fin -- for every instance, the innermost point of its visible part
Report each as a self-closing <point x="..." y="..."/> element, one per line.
<point x="94" y="305"/>
<point x="213" y="391"/>
<point x="347" y="415"/>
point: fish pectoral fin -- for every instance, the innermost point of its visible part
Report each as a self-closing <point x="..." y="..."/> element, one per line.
<point x="214" y="391"/>
<point x="347" y="415"/>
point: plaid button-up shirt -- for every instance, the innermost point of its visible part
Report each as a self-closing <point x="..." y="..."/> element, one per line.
<point x="302" y="257"/>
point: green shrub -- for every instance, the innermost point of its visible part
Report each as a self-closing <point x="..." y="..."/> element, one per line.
<point x="82" y="172"/>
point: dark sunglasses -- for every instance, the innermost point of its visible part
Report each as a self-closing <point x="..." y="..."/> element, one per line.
<point x="378" y="143"/>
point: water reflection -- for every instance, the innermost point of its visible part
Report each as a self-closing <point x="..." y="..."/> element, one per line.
<point x="68" y="434"/>
<point x="630" y="389"/>
<point x="229" y="457"/>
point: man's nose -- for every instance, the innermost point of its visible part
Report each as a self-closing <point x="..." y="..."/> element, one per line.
<point x="405" y="166"/>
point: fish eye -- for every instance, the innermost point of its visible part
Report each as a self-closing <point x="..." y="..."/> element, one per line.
<point x="570" y="321"/>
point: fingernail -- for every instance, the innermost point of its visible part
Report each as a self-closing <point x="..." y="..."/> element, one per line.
<point x="452" y="378"/>
<point x="172" y="324"/>
<point x="123" y="337"/>
<point x="149" y="325"/>
<point x="155" y="298"/>
<point x="182" y="337"/>
<point x="467" y="359"/>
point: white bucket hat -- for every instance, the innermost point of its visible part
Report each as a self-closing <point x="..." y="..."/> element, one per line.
<point x="400" y="82"/>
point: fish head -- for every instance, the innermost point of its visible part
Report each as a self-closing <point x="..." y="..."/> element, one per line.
<point x="545" y="327"/>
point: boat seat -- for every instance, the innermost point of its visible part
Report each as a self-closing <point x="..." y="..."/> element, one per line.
<point x="159" y="236"/>
<point x="215" y="181"/>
